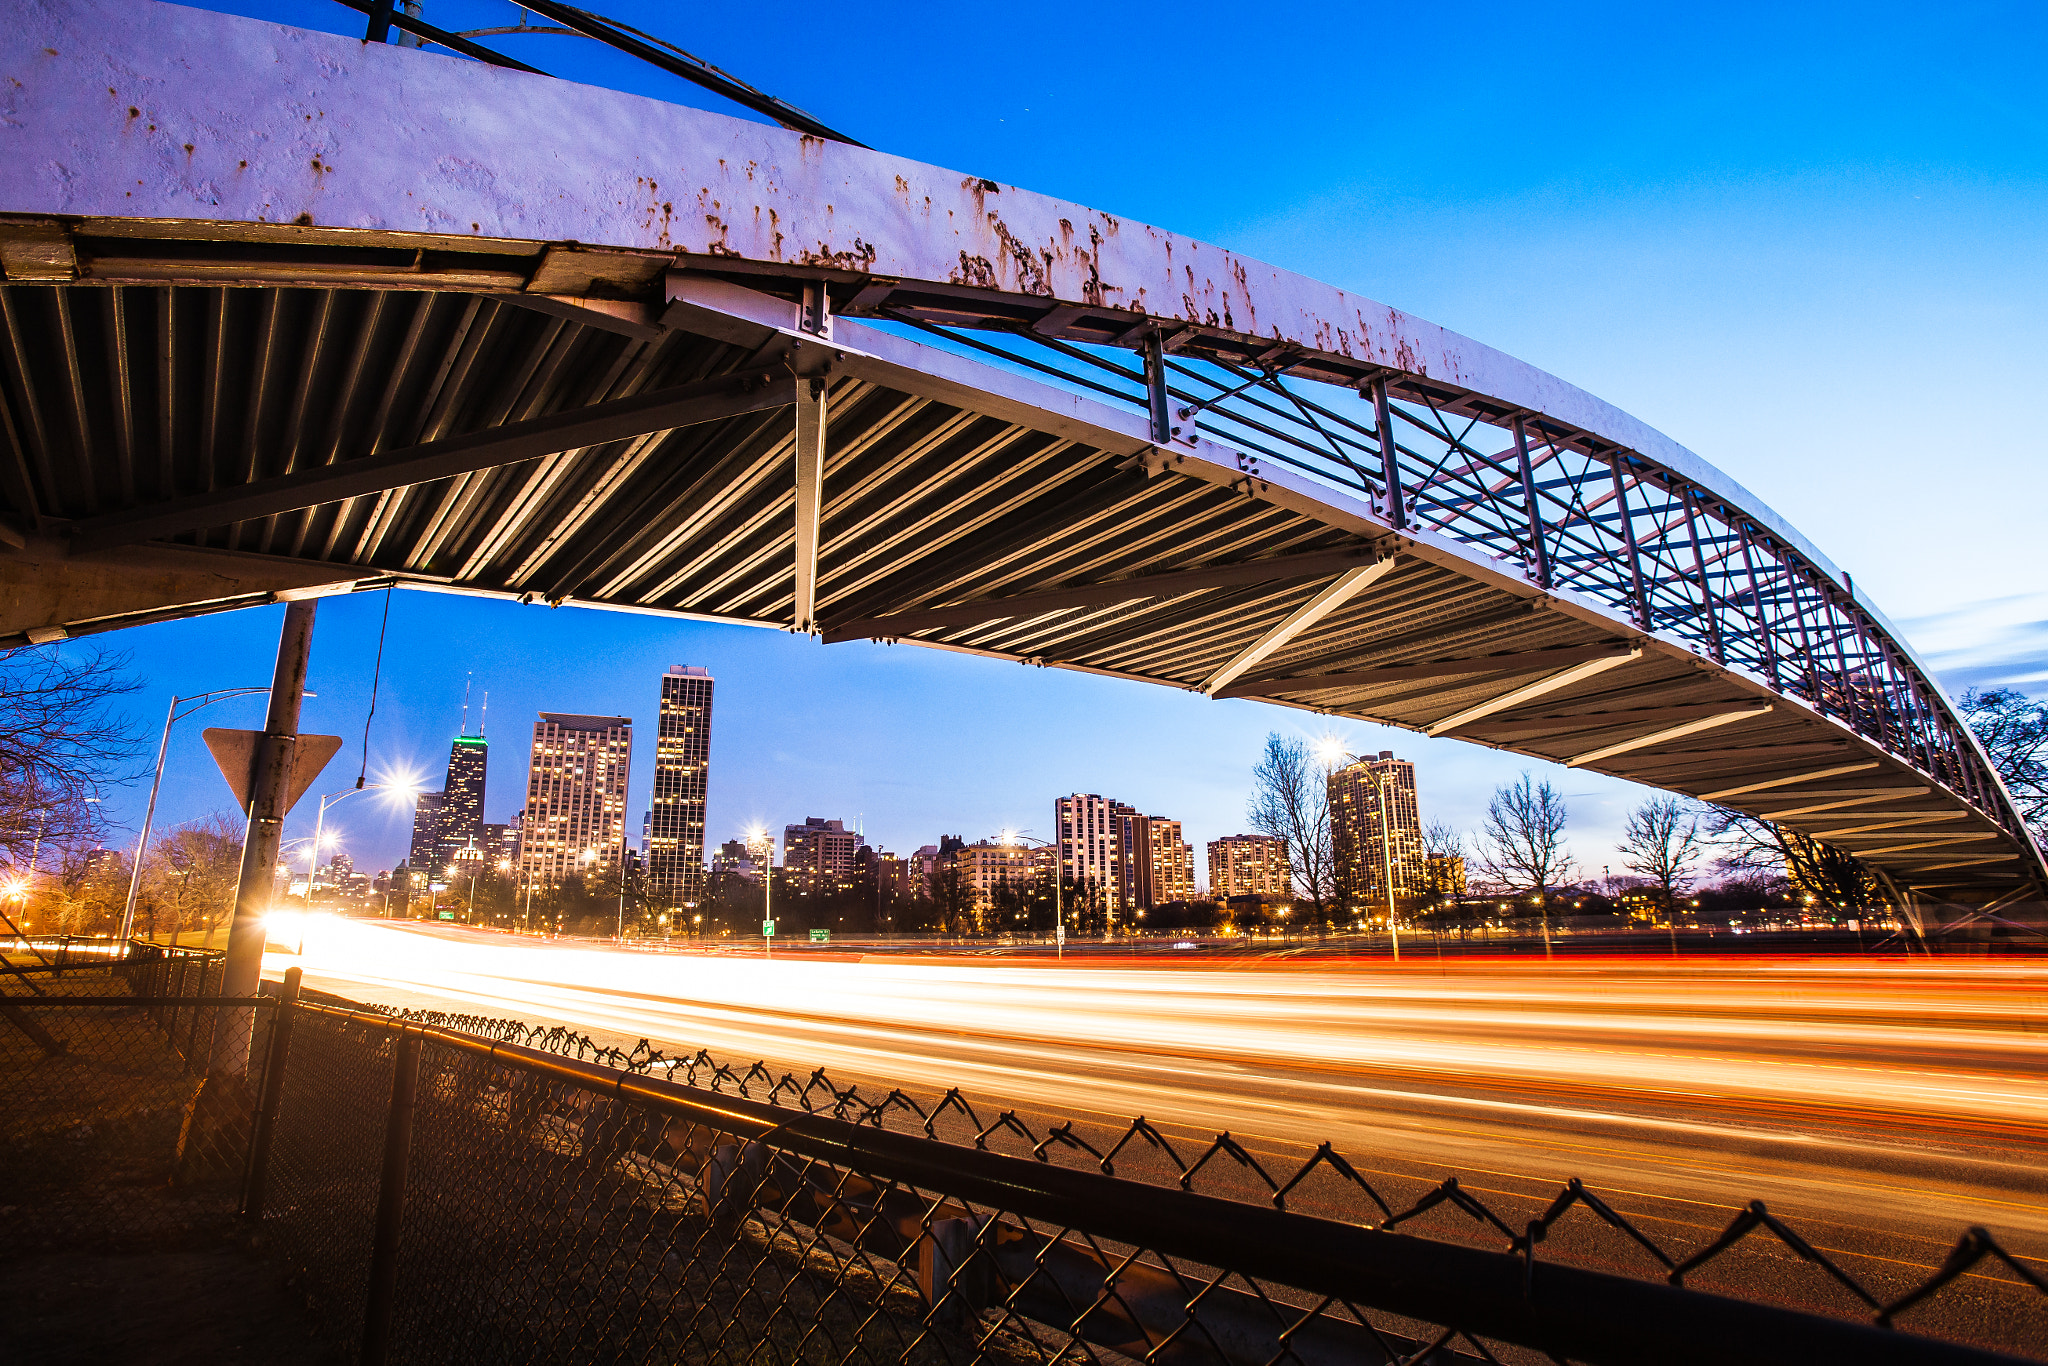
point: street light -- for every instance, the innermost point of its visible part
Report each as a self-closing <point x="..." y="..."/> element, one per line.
<point x="1059" y="924"/>
<point x="401" y="790"/>
<point x="196" y="701"/>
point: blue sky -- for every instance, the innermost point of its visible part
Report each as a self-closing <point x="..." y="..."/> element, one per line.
<point x="1805" y="241"/>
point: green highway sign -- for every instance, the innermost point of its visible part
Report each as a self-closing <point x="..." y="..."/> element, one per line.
<point x="768" y="928"/>
<point x="821" y="936"/>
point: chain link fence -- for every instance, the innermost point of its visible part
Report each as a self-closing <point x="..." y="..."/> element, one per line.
<point x="567" y="1201"/>
<point x="112" y="1134"/>
<point x="475" y="1190"/>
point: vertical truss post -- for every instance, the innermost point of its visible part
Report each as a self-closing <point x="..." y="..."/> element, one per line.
<point x="810" y="494"/>
<point x="379" y="30"/>
<point x="1832" y="614"/>
<point x="1529" y="507"/>
<point x="1764" y="626"/>
<point x="1390" y="455"/>
<point x="1699" y="569"/>
<point x="1819" y="694"/>
<point x="1628" y="539"/>
<point x="1157" y="400"/>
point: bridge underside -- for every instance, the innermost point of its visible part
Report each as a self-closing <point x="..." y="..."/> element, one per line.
<point x="177" y="446"/>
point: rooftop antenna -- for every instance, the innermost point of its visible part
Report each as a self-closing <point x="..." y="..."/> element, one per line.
<point x="467" y="679"/>
<point x="483" y="716"/>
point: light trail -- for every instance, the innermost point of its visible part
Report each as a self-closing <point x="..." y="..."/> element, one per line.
<point x="1880" y="1105"/>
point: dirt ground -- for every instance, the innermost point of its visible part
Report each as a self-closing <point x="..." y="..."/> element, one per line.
<point x="197" y="1305"/>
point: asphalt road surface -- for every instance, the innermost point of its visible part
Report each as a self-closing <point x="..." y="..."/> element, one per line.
<point x="1877" y="1106"/>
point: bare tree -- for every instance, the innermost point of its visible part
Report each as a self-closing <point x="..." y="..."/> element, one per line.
<point x="61" y="747"/>
<point x="1291" y="802"/>
<point x="1833" y="877"/>
<point x="1441" y="845"/>
<point x="189" y="881"/>
<point x="82" y="891"/>
<point x="2014" y="732"/>
<point x="1521" y="844"/>
<point x="1662" y="842"/>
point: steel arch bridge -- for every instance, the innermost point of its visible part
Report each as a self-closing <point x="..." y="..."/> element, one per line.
<point x="289" y="314"/>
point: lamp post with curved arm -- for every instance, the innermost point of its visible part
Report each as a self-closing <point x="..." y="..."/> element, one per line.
<point x="1059" y="924"/>
<point x="196" y="701"/>
<point x="320" y="823"/>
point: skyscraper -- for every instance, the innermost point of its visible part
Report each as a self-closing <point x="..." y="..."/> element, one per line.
<point x="462" y="798"/>
<point x="682" y="775"/>
<point x="575" y="818"/>
<point x="1368" y="842"/>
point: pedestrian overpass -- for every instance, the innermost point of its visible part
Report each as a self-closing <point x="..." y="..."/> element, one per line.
<point x="288" y="314"/>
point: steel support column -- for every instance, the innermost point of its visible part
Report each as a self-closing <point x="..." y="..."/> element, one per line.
<point x="275" y="756"/>
<point x="1158" y="402"/>
<point x="1390" y="456"/>
<point x="810" y="495"/>
<point x="1530" y="510"/>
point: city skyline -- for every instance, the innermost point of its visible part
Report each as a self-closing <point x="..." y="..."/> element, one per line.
<point x="1175" y="753"/>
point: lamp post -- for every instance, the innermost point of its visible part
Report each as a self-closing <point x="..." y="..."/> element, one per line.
<point x="1059" y="924"/>
<point x="189" y="705"/>
<point x="320" y="827"/>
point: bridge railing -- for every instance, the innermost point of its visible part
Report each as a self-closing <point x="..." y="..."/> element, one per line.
<point x="1561" y="506"/>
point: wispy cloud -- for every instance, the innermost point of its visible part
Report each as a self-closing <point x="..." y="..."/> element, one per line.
<point x="1993" y="642"/>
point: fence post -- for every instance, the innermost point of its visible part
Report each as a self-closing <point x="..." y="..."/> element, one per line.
<point x="383" y="1287"/>
<point x="273" y="1089"/>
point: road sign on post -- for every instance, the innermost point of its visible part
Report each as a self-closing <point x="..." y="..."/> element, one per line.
<point x="821" y="936"/>
<point x="235" y="751"/>
<point x="768" y="929"/>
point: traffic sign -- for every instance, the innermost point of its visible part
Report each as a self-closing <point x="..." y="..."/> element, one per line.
<point x="235" y="752"/>
<point x="821" y="936"/>
<point x="768" y="928"/>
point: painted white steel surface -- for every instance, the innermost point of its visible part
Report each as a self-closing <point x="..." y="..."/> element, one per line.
<point x="242" y="121"/>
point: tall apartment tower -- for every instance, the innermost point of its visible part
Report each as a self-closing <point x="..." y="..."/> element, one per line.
<point x="1249" y="865"/>
<point x="1159" y="865"/>
<point x="424" y="859"/>
<point x="1367" y="841"/>
<point x="818" y="855"/>
<point x="1092" y="842"/>
<point x="682" y="777"/>
<point x="575" y="817"/>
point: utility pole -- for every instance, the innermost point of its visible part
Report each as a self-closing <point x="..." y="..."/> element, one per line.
<point x="275" y="757"/>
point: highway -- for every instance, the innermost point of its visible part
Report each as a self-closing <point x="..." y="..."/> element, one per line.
<point x="1878" y="1106"/>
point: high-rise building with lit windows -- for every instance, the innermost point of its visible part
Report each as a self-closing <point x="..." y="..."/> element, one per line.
<point x="682" y="778"/>
<point x="1249" y="865"/>
<point x="575" y="819"/>
<point x="1159" y="866"/>
<point x="462" y="797"/>
<point x="1091" y="842"/>
<point x="818" y="856"/>
<point x="1369" y="841"/>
